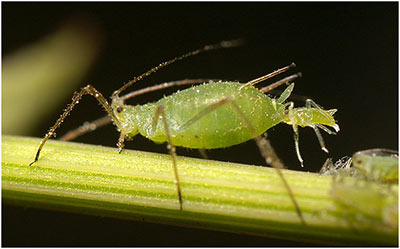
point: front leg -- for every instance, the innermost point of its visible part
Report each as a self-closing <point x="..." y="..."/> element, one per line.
<point x="121" y="143"/>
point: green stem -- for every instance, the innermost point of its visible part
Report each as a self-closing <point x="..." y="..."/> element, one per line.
<point x="216" y="195"/>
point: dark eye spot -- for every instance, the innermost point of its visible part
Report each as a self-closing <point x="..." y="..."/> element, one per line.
<point x="286" y="111"/>
<point x="119" y="109"/>
<point x="359" y="161"/>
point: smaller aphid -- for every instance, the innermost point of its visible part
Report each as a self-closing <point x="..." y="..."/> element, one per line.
<point x="377" y="165"/>
<point x="366" y="205"/>
<point x="372" y="165"/>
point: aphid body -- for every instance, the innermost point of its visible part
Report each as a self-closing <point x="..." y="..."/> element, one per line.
<point x="222" y="127"/>
<point x="378" y="164"/>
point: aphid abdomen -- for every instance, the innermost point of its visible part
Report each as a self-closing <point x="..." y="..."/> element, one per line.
<point x="222" y="127"/>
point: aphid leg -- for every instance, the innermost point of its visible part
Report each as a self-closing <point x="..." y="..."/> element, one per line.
<point x="203" y="153"/>
<point x="272" y="158"/>
<point x="121" y="143"/>
<point x="327" y="167"/>
<point x="348" y="163"/>
<point x="309" y="104"/>
<point x="325" y="129"/>
<point x="319" y="136"/>
<point x="263" y="144"/>
<point x="295" y="132"/>
<point x="86" y="127"/>
<point x="160" y="113"/>
<point x="269" y="153"/>
<point x="75" y="100"/>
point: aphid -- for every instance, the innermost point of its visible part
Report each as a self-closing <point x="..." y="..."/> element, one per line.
<point x="378" y="165"/>
<point x="207" y="116"/>
<point x="366" y="204"/>
<point x="372" y="165"/>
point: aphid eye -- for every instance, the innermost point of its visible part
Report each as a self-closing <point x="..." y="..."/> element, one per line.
<point x="119" y="109"/>
<point x="286" y="111"/>
<point x="359" y="161"/>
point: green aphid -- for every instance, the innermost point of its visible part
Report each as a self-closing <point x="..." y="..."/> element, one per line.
<point x="366" y="205"/>
<point x="373" y="165"/>
<point x="208" y="116"/>
<point x="378" y="165"/>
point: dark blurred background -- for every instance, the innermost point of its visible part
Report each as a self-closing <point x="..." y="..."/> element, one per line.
<point x="347" y="53"/>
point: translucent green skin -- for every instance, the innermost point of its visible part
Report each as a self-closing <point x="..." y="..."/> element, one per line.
<point x="367" y="204"/>
<point x="222" y="127"/>
<point x="378" y="164"/>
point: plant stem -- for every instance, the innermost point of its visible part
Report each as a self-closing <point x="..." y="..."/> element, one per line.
<point x="216" y="195"/>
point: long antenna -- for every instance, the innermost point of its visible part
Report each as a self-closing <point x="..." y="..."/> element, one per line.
<point x="223" y="44"/>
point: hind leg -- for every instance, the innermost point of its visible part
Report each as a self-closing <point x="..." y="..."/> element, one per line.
<point x="263" y="144"/>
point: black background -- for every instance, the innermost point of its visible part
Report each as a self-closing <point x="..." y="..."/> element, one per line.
<point x="347" y="53"/>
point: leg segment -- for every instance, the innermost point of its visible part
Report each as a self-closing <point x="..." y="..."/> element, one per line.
<point x="121" y="143"/>
<point x="295" y="132"/>
<point x="263" y="144"/>
<point x="75" y="100"/>
<point x="160" y="113"/>
<point x="309" y="104"/>
<point x="203" y="153"/>
<point x="318" y="134"/>
<point x="85" y="128"/>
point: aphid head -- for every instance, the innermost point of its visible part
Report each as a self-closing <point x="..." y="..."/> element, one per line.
<point x="126" y="118"/>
